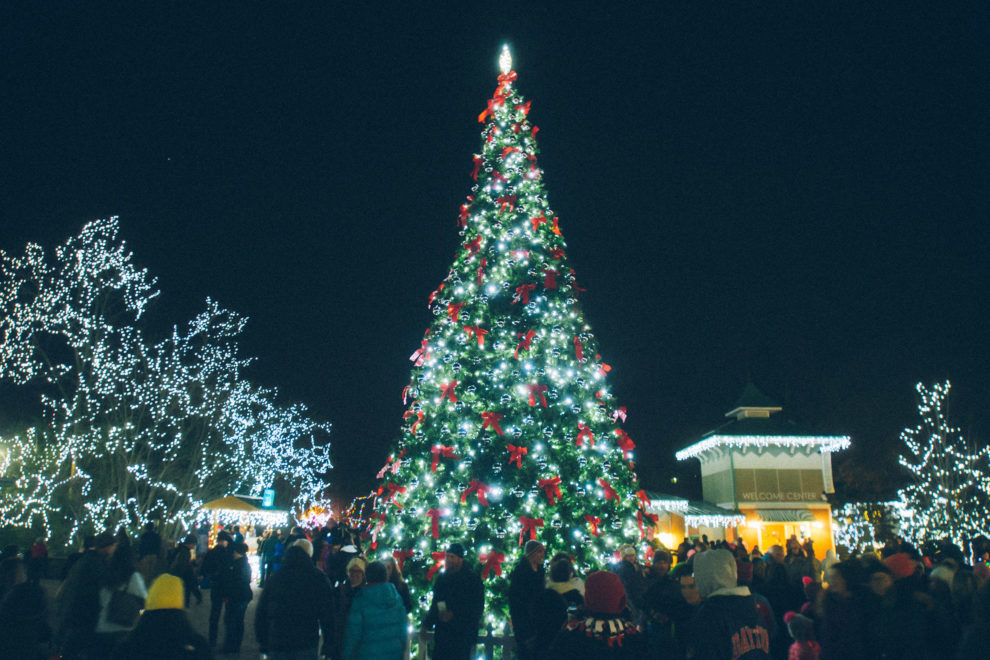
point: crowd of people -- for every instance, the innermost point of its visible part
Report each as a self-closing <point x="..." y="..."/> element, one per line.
<point x="320" y="596"/>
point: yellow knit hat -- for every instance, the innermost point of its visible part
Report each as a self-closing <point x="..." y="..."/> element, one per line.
<point x="166" y="593"/>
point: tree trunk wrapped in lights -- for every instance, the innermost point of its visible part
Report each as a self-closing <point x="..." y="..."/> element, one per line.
<point x="511" y="431"/>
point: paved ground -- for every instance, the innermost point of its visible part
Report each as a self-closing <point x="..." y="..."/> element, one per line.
<point x="199" y="616"/>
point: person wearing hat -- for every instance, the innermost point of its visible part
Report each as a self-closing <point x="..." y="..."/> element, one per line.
<point x="183" y="568"/>
<point x="602" y="632"/>
<point x="526" y="584"/>
<point x="296" y="603"/>
<point x="216" y="563"/>
<point x="163" y="632"/>
<point x="237" y="594"/>
<point x="631" y="574"/>
<point x="78" y="606"/>
<point x="456" y="609"/>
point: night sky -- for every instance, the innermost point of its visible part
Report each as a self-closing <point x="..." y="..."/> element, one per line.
<point x="793" y="194"/>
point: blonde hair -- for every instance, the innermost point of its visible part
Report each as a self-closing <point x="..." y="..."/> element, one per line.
<point x="359" y="562"/>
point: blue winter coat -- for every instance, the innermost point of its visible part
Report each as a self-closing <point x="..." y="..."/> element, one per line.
<point x="376" y="625"/>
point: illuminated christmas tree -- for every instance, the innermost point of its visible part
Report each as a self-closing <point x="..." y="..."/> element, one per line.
<point x="133" y="430"/>
<point x="511" y="431"/>
<point x="949" y="496"/>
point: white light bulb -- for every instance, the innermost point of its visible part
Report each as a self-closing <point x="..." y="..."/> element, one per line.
<point x="505" y="59"/>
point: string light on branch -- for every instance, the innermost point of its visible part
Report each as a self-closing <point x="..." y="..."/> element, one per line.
<point x="135" y="430"/>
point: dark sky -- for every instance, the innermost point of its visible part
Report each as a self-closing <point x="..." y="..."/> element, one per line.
<point x="793" y="193"/>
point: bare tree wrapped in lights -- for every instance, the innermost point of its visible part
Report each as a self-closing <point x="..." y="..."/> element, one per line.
<point x="511" y="431"/>
<point x="949" y="496"/>
<point x="133" y="430"/>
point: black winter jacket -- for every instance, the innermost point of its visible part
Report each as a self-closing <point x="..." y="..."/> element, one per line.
<point x="296" y="603"/>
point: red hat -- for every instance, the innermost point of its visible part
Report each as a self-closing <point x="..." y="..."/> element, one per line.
<point x="604" y="593"/>
<point x="901" y="565"/>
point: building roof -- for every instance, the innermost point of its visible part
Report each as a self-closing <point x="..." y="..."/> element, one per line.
<point x="753" y="425"/>
<point x="695" y="514"/>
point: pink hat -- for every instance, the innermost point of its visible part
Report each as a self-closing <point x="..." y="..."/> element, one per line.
<point x="901" y="565"/>
<point x="604" y="593"/>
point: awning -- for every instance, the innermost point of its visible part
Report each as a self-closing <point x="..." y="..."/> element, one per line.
<point x="230" y="503"/>
<point x="785" y="515"/>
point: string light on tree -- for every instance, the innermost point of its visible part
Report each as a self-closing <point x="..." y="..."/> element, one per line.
<point x="507" y="390"/>
<point x="949" y="496"/>
<point x="134" y="430"/>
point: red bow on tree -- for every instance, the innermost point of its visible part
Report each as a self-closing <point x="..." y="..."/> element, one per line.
<point x="478" y="332"/>
<point x="462" y="217"/>
<point x="578" y="349"/>
<point x="378" y="528"/>
<point x="654" y="522"/>
<point x="389" y="465"/>
<point x="534" y="173"/>
<point x="405" y="391"/>
<point x="522" y="293"/>
<point x="556" y="220"/>
<point x="639" y="523"/>
<point x="533" y="391"/>
<point x="473" y="245"/>
<point x="524" y="107"/>
<point x="529" y="525"/>
<point x="401" y="556"/>
<point x="508" y="150"/>
<point x="422" y="354"/>
<point x="447" y="390"/>
<point x="454" y="311"/>
<point x="507" y="200"/>
<point x="433" y="296"/>
<point x="516" y="454"/>
<point x="498" y="177"/>
<point x="505" y="78"/>
<point x="491" y="419"/>
<point x="549" y="278"/>
<point x="438" y="558"/>
<point x="594" y="521"/>
<point x="481" y="489"/>
<point x="619" y="414"/>
<point x="493" y="105"/>
<point x="537" y="221"/>
<point x="625" y="442"/>
<point x="477" y="166"/>
<point x="527" y="339"/>
<point x="419" y="414"/>
<point x="610" y="493"/>
<point x="644" y="499"/>
<point x="393" y="489"/>
<point x="584" y="433"/>
<point x="557" y="253"/>
<point x="434" y="514"/>
<point x="536" y="129"/>
<point x="438" y="451"/>
<point x="551" y="487"/>
<point x="603" y="368"/>
<point x="493" y="560"/>
<point x="574" y="284"/>
<point x="481" y="270"/>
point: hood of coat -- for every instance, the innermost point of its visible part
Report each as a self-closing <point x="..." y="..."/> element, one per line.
<point x="715" y="570"/>
<point x="381" y="596"/>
